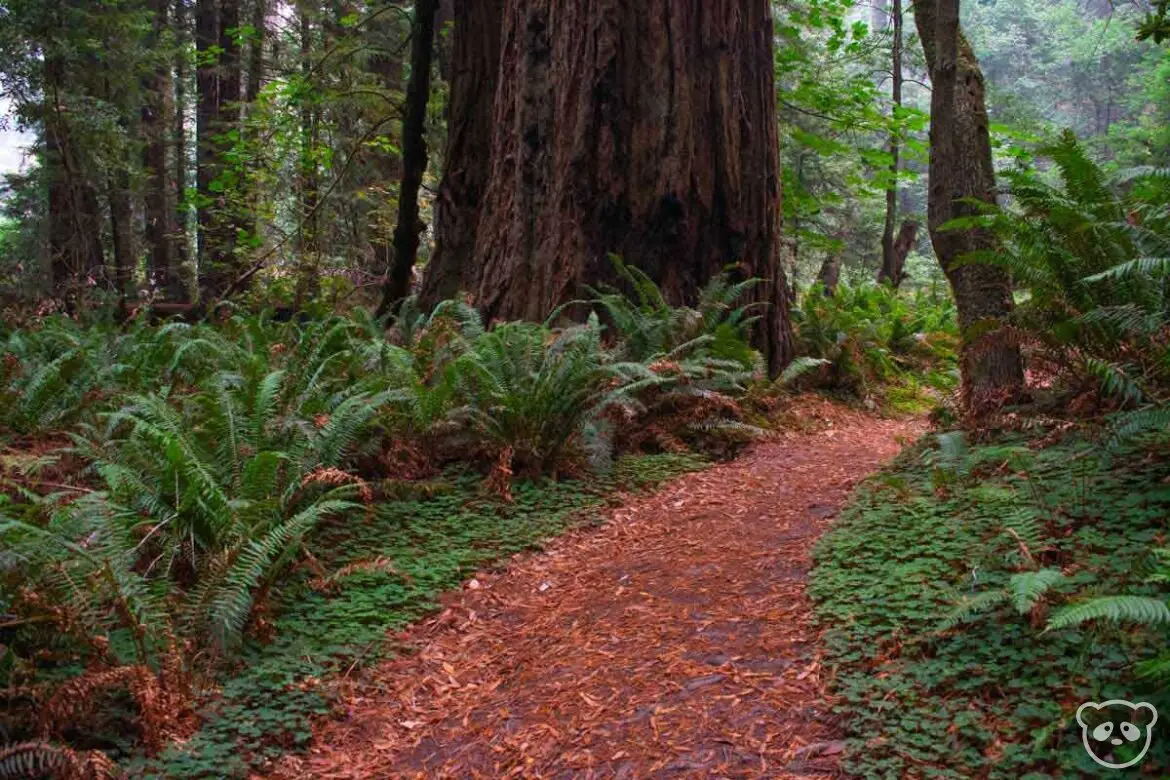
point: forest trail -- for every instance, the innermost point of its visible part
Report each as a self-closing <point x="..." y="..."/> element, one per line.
<point x="674" y="641"/>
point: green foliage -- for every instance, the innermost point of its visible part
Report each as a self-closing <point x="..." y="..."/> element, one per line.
<point x="648" y="328"/>
<point x="533" y="389"/>
<point x="210" y="494"/>
<point x="1036" y="55"/>
<point x="836" y="124"/>
<point x="935" y="602"/>
<point x="1090" y="251"/>
<point x="872" y="336"/>
<point x="1139" y="609"/>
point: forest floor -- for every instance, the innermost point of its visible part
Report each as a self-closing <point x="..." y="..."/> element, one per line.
<point x="675" y="640"/>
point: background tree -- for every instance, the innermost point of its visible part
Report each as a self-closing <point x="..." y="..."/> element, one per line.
<point x="414" y="155"/>
<point x="961" y="173"/>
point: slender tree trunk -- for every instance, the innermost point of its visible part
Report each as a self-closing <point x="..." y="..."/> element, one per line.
<point x="181" y="160"/>
<point x="74" y="224"/>
<point x="218" y="114"/>
<point x="414" y="155"/>
<point x="890" y="270"/>
<point x="308" y="272"/>
<point x="960" y="171"/>
<point x="122" y="232"/>
<point x="160" y="228"/>
<point x="249" y="221"/>
<point x="207" y="122"/>
<point x="646" y="130"/>
<point x="386" y="66"/>
<point x="474" y="67"/>
<point x="895" y="273"/>
<point x="830" y="273"/>
<point x="256" y="51"/>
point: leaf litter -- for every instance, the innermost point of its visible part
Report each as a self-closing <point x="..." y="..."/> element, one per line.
<point x="673" y="641"/>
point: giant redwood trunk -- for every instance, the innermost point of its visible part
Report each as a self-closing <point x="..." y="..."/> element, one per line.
<point x="646" y="130"/>
<point x="961" y="171"/>
<point x="474" y="61"/>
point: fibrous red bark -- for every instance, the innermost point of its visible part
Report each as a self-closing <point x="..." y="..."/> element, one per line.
<point x="161" y="229"/>
<point x="74" y="224"/>
<point x="218" y="80"/>
<point x="646" y="130"/>
<point x="474" y="61"/>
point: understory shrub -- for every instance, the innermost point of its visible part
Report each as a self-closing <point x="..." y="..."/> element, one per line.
<point x="161" y="485"/>
<point x="877" y="341"/>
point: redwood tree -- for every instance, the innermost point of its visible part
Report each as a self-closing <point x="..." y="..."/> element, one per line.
<point x="646" y="130"/>
<point x="961" y="172"/>
<point x="474" y="64"/>
<point x="218" y="82"/>
<point x="159" y="208"/>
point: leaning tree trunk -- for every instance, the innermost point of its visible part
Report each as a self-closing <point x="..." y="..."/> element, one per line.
<point x="414" y="155"/>
<point x="961" y="171"/>
<point x="893" y="271"/>
<point x="646" y="130"/>
<point x="474" y="66"/>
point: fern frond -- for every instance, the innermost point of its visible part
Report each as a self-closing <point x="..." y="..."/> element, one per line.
<point x="1027" y="588"/>
<point x="971" y="606"/>
<point x="1135" y="609"/>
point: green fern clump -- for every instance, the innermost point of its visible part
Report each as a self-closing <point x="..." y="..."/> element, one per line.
<point x="529" y="389"/>
<point x="873" y="336"/>
<point x="1091" y="251"/>
<point x="200" y="494"/>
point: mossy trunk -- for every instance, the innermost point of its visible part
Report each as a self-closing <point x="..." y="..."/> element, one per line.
<point x="961" y="173"/>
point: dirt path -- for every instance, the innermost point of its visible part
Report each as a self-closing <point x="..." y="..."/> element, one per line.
<point x="676" y="641"/>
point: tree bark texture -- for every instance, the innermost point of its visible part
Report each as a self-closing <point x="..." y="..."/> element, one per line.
<point x="122" y="231"/>
<point x="74" y="223"/>
<point x="894" y="272"/>
<point x="961" y="168"/>
<point x="646" y="130"/>
<point x="890" y="269"/>
<point x="474" y="69"/>
<point x="160" y="228"/>
<point x="308" y="184"/>
<point x="414" y="155"/>
<point x="385" y="64"/>
<point x="181" y="157"/>
<point x="218" y="81"/>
